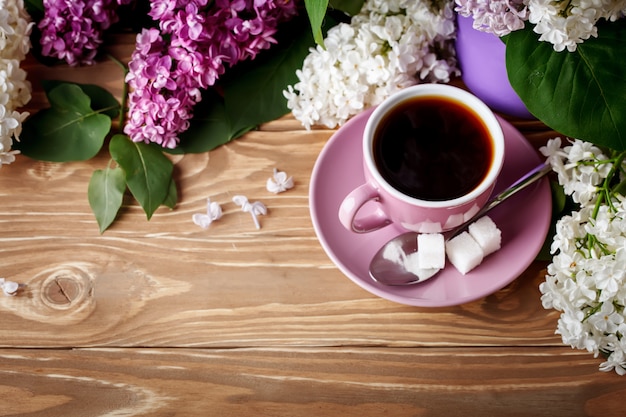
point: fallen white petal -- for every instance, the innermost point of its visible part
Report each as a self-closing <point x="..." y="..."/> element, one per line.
<point x="240" y="200"/>
<point x="9" y="287"/>
<point x="202" y="220"/>
<point x="279" y="182"/>
<point x="254" y="209"/>
<point x="213" y="212"/>
<point x="258" y="208"/>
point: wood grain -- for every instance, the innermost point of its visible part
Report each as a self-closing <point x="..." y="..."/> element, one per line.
<point x="293" y="382"/>
<point x="167" y="282"/>
<point x="163" y="318"/>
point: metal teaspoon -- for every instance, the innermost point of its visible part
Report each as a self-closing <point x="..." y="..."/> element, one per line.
<point x="391" y="273"/>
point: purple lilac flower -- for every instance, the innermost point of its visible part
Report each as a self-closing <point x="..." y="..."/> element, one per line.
<point x="499" y="17"/>
<point x="71" y="30"/>
<point x="194" y="44"/>
<point x="164" y="91"/>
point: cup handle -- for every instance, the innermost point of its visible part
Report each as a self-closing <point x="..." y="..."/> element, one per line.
<point x="352" y="205"/>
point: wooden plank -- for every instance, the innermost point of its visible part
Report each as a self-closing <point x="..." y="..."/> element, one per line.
<point x="167" y="282"/>
<point x="83" y="293"/>
<point x="307" y="381"/>
<point x="50" y="199"/>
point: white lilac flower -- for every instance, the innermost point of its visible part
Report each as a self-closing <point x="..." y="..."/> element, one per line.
<point x="15" y="90"/>
<point x="617" y="360"/>
<point x="15" y="28"/>
<point x="581" y="167"/>
<point x="279" y="182"/>
<point x="255" y="209"/>
<point x="213" y="212"/>
<point x="606" y="319"/>
<point x="388" y="46"/>
<point x="586" y="280"/>
<point x="9" y="288"/>
<point x="565" y="24"/>
<point x="499" y="17"/>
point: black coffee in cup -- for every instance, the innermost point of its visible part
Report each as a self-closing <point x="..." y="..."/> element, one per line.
<point x="432" y="148"/>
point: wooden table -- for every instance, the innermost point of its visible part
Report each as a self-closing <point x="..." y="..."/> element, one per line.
<point x="163" y="318"/>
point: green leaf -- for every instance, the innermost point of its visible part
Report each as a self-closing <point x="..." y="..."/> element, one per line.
<point x="102" y="100"/>
<point x="579" y="94"/>
<point x="70" y="130"/>
<point x="351" y="7"/>
<point x="148" y="171"/>
<point x="172" y="195"/>
<point x="34" y="7"/>
<point x="252" y="94"/>
<point x="105" y="194"/>
<point x="209" y="128"/>
<point x="253" y="91"/>
<point x="316" y="10"/>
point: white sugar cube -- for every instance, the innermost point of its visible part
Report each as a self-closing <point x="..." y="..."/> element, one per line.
<point x="464" y="252"/>
<point x="412" y="265"/>
<point x="486" y="233"/>
<point x="431" y="250"/>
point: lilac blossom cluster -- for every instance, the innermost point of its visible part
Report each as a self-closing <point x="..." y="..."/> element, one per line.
<point x="195" y="42"/>
<point x="586" y="280"/>
<point x="499" y="17"/>
<point x="387" y="46"/>
<point x="72" y="30"/>
<point x="15" y="90"/>
<point x="564" y="24"/>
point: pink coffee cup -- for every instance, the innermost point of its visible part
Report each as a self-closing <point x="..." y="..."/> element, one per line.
<point x="431" y="155"/>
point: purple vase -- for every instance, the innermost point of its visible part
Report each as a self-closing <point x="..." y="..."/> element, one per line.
<point x="481" y="58"/>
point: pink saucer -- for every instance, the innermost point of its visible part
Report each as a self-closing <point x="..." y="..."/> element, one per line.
<point x="524" y="221"/>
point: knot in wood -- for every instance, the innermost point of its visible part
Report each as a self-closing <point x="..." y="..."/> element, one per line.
<point x="66" y="289"/>
<point x="62" y="290"/>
